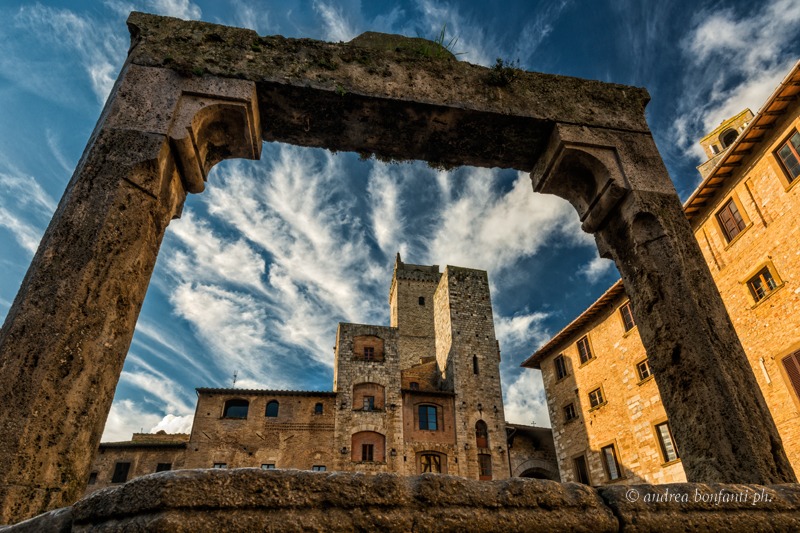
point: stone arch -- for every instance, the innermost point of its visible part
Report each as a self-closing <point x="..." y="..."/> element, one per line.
<point x="364" y="390"/>
<point x="168" y="121"/>
<point x="727" y="137"/>
<point x="588" y="177"/>
<point x="536" y="468"/>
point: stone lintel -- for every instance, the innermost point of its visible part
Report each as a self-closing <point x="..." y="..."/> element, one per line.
<point x="449" y="112"/>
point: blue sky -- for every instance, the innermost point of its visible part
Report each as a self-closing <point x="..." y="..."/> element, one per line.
<point x="263" y="265"/>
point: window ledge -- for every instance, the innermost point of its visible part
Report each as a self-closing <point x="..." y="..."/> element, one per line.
<point x="630" y="331"/>
<point x="559" y="380"/>
<point x="670" y="463"/>
<point x="571" y="420"/>
<point x="374" y="410"/>
<point x="791" y="184"/>
<point x="738" y="235"/>
<point x="587" y="362"/>
<point x="768" y="296"/>
<point x="621" y="479"/>
<point x="598" y="406"/>
<point x="645" y="380"/>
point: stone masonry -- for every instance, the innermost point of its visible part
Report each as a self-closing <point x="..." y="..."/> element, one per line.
<point x="192" y="94"/>
<point x="374" y="404"/>
<point x="755" y="264"/>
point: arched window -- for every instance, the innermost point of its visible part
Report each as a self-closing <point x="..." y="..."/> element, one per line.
<point x="430" y="461"/>
<point x="318" y="409"/>
<point x="272" y="409"/>
<point x="728" y="137"/>
<point x="481" y="434"/>
<point x="428" y="417"/>
<point x="368" y="397"/>
<point x="235" y="409"/>
<point x="368" y="447"/>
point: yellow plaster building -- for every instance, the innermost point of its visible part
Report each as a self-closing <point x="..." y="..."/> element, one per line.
<point x="608" y="422"/>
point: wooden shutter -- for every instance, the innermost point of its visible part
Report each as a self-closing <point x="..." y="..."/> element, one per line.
<point x="792" y="365"/>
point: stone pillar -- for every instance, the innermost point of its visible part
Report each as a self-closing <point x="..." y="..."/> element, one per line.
<point x="619" y="186"/>
<point x="67" y="333"/>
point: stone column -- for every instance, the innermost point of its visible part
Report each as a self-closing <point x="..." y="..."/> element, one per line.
<point x="620" y="187"/>
<point x="67" y="333"/>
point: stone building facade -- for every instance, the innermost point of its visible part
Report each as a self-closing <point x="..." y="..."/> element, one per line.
<point x="420" y="395"/>
<point x="609" y="425"/>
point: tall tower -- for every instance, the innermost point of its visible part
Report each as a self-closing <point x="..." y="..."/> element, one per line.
<point x="411" y="310"/>
<point x="468" y="357"/>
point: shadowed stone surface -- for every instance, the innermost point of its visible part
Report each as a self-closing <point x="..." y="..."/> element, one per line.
<point x="192" y="94"/>
<point x="255" y="500"/>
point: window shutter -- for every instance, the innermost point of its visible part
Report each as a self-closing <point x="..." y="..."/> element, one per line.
<point x="792" y="365"/>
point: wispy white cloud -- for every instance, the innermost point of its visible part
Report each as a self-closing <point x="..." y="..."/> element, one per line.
<point x="525" y="401"/>
<point x="24" y="209"/>
<point x="126" y="418"/>
<point x="100" y="50"/>
<point x="174" y="424"/>
<point x="733" y="62"/>
<point x="248" y="15"/>
<point x="491" y="230"/>
<point x="523" y="330"/>
<point x="386" y="214"/>
<point x="182" y="9"/>
<point x="596" y="269"/>
<point x="202" y="254"/>
<point x="53" y="144"/>
<point x="233" y="325"/>
<point x="337" y="26"/>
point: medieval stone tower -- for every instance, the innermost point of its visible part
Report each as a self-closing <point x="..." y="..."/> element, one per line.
<point x="421" y="395"/>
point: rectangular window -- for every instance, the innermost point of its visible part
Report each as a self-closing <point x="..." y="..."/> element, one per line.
<point x="627" y="316"/>
<point x="569" y="412"/>
<point x="421" y="300"/>
<point x="268" y="466"/>
<point x="319" y="468"/>
<point x="790" y="157"/>
<point x="485" y="464"/>
<point x="120" y="473"/>
<point x="584" y="350"/>
<point x="369" y="353"/>
<point x="791" y="363"/>
<point x="581" y="472"/>
<point x="668" y="448"/>
<point x="163" y="467"/>
<point x="643" y="369"/>
<point x="369" y="403"/>
<point x="427" y="417"/>
<point x="730" y="220"/>
<point x="596" y="397"/>
<point x="610" y="461"/>
<point x="367" y="451"/>
<point x="220" y="465"/>
<point x="762" y="284"/>
<point x="561" y="367"/>
<point x="92" y="478"/>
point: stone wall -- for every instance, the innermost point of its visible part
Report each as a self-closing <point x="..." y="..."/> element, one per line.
<point x="628" y="415"/>
<point x="464" y="334"/>
<point x="352" y="421"/>
<point x="145" y="454"/>
<point x="768" y="328"/>
<point x="255" y="500"/>
<point x="411" y="310"/>
<point x="297" y="438"/>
